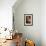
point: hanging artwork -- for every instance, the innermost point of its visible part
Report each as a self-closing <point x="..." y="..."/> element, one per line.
<point x="28" y="19"/>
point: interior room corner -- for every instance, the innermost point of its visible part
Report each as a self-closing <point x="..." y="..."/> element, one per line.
<point x="22" y="22"/>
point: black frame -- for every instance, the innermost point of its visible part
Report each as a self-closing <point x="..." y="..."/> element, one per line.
<point x="31" y="19"/>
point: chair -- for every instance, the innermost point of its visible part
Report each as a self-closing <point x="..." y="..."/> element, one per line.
<point x="29" y="43"/>
<point x="18" y="39"/>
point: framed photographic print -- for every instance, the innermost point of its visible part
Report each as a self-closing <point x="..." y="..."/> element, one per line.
<point x="28" y="19"/>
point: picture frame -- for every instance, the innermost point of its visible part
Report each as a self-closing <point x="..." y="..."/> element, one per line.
<point x="28" y="19"/>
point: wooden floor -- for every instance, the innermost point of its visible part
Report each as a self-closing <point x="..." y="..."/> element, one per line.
<point x="9" y="43"/>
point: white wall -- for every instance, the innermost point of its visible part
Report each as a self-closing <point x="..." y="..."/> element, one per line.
<point x="43" y="22"/>
<point x="6" y="13"/>
<point x="29" y="7"/>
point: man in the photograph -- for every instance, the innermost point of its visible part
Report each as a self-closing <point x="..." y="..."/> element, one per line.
<point x="28" y="19"/>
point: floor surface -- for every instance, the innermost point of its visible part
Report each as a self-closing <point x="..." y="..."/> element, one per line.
<point x="9" y="43"/>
